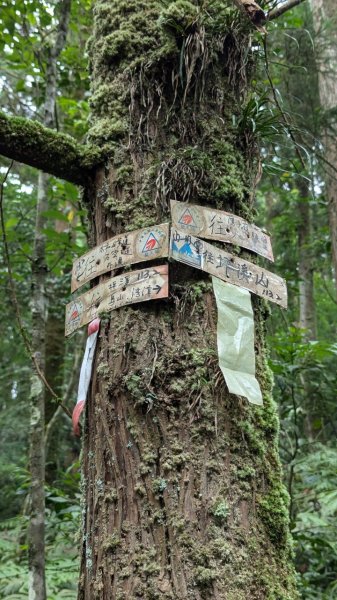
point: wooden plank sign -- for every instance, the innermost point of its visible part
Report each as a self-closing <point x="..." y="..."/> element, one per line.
<point x="125" y="249"/>
<point x="192" y="251"/>
<point x="128" y="288"/>
<point x="219" y="225"/>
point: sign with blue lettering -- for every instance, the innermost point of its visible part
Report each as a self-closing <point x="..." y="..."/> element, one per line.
<point x="184" y="250"/>
<point x="192" y="251"/>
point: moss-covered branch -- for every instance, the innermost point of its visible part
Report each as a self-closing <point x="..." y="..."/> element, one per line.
<point x="58" y="154"/>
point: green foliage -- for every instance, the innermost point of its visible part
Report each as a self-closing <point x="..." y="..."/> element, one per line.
<point x="304" y="366"/>
<point x="159" y="486"/>
<point x="310" y="464"/>
<point x="62" y="526"/>
<point x="27" y="32"/>
<point x="260" y="118"/>
<point x="315" y="529"/>
<point x="220" y="511"/>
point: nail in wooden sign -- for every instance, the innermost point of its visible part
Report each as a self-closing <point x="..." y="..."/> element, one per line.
<point x="129" y="288"/>
<point x="192" y="251"/>
<point x="219" y="225"/>
<point x="125" y="249"/>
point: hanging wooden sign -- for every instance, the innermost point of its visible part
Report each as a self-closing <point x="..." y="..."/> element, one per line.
<point x="192" y="251"/>
<point x="129" y="288"/>
<point x="219" y="225"/>
<point x="125" y="249"/>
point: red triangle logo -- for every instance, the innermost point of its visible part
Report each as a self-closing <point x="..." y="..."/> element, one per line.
<point x="186" y="218"/>
<point x="151" y="243"/>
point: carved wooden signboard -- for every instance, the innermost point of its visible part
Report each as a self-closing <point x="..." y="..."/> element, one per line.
<point x="192" y="251"/>
<point x="219" y="225"/>
<point x="125" y="249"/>
<point x="128" y="288"/>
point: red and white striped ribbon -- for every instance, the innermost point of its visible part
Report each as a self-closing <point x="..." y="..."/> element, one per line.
<point x="85" y="375"/>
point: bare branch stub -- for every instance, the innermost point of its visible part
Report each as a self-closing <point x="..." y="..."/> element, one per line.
<point x="254" y="12"/>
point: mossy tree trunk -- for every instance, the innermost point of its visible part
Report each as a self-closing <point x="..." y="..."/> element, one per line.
<point x="183" y="496"/>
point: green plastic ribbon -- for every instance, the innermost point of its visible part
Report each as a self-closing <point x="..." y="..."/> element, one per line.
<point x="235" y="335"/>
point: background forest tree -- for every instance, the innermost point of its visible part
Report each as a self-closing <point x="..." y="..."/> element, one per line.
<point x="283" y="112"/>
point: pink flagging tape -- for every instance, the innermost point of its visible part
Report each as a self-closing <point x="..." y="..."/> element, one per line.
<point x="93" y="326"/>
<point x="85" y="374"/>
<point x="76" y="416"/>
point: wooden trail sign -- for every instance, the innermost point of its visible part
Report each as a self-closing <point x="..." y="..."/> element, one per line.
<point x="192" y="251"/>
<point x="128" y="288"/>
<point x="219" y="225"/>
<point x="125" y="249"/>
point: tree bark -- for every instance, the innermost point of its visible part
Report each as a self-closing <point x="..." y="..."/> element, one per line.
<point x="324" y="12"/>
<point x="182" y="481"/>
<point x="36" y="528"/>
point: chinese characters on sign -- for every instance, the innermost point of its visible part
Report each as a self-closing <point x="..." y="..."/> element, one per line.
<point x="152" y="243"/>
<point x="192" y="251"/>
<point x="125" y="249"/>
<point x="128" y="288"/>
<point x="219" y="225"/>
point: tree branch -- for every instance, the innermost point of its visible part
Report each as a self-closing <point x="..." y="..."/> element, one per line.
<point x="58" y="154"/>
<point x="282" y="8"/>
<point x="253" y="11"/>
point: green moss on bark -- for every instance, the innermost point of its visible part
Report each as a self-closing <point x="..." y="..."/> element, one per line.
<point x="55" y="153"/>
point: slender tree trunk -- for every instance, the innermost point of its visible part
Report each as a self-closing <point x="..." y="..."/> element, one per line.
<point x="306" y="262"/>
<point x="301" y="87"/>
<point x="37" y="585"/>
<point x="36" y="528"/>
<point x="307" y="312"/>
<point x="325" y="21"/>
<point x="55" y="348"/>
<point x="183" y="495"/>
